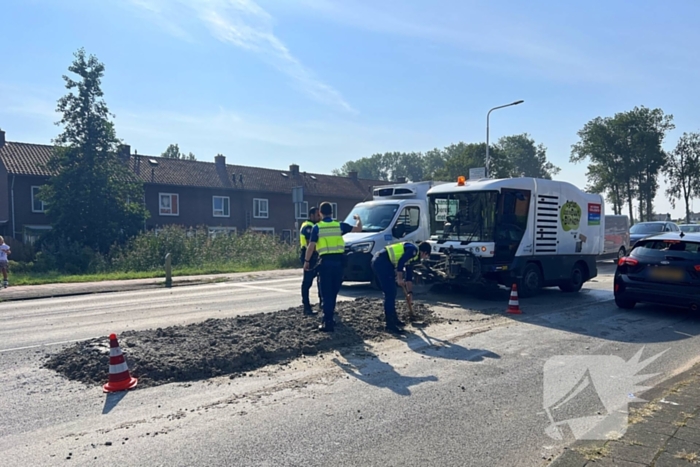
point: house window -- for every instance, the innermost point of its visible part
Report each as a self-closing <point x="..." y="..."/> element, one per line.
<point x="221" y="206"/>
<point x="264" y="230"/>
<point x="335" y="211"/>
<point x="169" y="204"/>
<point x="216" y="231"/>
<point x="32" y="233"/>
<point x="37" y="204"/>
<point x="301" y="210"/>
<point x="260" y="208"/>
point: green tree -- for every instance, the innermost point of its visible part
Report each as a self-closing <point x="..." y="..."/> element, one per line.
<point x="525" y="158"/>
<point x="625" y="156"/>
<point x="682" y="169"/>
<point x="173" y="152"/>
<point x="461" y="157"/>
<point x="93" y="200"/>
<point x="607" y="173"/>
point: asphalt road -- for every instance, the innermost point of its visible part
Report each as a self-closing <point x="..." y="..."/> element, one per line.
<point x="466" y="392"/>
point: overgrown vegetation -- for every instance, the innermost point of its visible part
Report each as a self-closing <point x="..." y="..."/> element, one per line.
<point x="192" y="251"/>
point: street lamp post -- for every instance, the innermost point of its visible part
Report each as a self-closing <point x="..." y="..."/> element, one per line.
<point x="487" y="161"/>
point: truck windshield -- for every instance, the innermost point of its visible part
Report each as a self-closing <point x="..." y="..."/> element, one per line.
<point x="375" y="217"/>
<point x="466" y="216"/>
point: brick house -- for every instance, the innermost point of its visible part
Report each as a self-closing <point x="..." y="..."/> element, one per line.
<point x="224" y="197"/>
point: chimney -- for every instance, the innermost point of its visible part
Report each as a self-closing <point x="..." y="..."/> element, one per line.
<point x="401" y="179"/>
<point x="353" y="174"/>
<point x="2" y="137"/>
<point x="124" y="152"/>
<point x="220" y="161"/>
<point x="294" y="170"/>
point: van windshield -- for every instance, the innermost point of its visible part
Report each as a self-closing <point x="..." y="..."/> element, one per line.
<point x="375" y="217"/>
<point x="644" y="228"/>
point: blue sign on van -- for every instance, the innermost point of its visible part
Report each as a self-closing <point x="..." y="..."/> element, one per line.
<point x="387" y="237"/>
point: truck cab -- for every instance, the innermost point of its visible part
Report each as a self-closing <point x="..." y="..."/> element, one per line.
<point x="396" y="213"/>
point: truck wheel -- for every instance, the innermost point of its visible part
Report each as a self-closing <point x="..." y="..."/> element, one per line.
<point x="575" y="283"/>
<point x="531" y="282"/>
<point x="621" y="253"/>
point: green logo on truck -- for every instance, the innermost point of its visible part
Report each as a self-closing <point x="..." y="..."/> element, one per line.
<point x="570" y="216"/>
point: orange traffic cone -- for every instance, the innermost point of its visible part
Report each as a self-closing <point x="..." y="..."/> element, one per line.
<point x="119" y="377"/>
<point x="513" y="304"/>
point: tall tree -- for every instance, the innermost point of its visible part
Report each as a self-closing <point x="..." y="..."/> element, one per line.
<point x="625" y="156"/>
<point x="93" y="199"/>
<point x="525" y="158"/>
<point x="461" y="157"/>
<point x="606" y="171"/>
<point x="682" y="169"/>
<point x="368" y="167"/>
<point x="173" y="152"/>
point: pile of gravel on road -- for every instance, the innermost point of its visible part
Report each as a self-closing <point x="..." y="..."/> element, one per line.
<point x="228" y="346"/>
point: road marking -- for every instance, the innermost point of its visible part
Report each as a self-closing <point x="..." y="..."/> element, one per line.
<point x="269" y="289"/>
<point x="45" y="345"/>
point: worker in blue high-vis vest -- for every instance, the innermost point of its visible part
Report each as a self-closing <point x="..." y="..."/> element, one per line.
<point x="312" y="273"/>
<point x="327" y="239"/>
<point x="389" y="266"/>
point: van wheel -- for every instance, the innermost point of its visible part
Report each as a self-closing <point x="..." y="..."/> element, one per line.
<point x="575" y="283"/>
<point x="531" y="282"/>
<point x="621" y="253"/>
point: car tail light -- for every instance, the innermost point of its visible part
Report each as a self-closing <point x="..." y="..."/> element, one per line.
<point x="627" y="261"/>
<point x="617" y="287"/>
<point x="697" y="267"/>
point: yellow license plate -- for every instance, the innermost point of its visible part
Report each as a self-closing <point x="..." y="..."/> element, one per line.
<point x="667" y="274"/>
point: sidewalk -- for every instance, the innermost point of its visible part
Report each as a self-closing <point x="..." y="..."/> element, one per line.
<point x="28" y="292"/>
<point x="664" y="432"/>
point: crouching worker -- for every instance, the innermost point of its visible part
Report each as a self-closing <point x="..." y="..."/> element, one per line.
<point x="389" y="265"/>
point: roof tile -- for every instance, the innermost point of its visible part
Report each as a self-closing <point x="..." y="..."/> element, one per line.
<point x="31" y="159"/>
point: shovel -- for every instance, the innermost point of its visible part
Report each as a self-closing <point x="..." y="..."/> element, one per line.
<point x="411" y="314"/>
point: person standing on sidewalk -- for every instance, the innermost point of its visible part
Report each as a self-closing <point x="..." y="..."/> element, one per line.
<point x="307" y="282"/>
<point x="4" y="262"/>
<point x="389" y="265"/>
<point x="327" y="239"/>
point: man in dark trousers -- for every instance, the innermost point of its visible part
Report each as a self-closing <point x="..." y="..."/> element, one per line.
<point x="389" y="265"/>
<point x="327" y="239"/>
<point x="312" y="273"/>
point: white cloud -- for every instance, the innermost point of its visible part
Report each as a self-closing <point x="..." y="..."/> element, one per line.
<point x="504" y="41"/>
<point x="244" y="24"/>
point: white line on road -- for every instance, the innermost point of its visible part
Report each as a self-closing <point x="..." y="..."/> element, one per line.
<point x="269" y="289"/>
<point x="46" y="345"/>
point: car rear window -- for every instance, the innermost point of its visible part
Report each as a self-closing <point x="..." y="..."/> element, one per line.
<point x="649" y="246"/>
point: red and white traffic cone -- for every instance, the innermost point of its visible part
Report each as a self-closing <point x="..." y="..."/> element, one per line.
<point x="513" y="304"/>
<point x="119" y="377"/>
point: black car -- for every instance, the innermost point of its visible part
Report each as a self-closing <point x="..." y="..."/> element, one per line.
<point x="661" y="269"/>
<point x="645" y="229"/>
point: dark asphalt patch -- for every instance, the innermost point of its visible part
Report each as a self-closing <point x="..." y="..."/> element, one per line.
<point x="228" y="346"/>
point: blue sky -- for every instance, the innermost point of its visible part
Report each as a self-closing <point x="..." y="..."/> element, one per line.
<point x="318" y="82"/>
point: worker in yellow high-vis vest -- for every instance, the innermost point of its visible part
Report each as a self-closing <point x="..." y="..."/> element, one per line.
<point x="309" y="276"/>
<point x="327" y="239"/>
<point x="389" y="265"/>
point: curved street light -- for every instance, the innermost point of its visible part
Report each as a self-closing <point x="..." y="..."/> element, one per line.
<point x="487" y="161"/>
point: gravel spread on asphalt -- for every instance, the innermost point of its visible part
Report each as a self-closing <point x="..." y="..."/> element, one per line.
<point x="229" y="346"/>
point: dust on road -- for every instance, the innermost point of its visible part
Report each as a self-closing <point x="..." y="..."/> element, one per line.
<point x="229" y="346"/>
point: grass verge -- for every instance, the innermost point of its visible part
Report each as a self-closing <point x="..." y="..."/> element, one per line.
<point x="59" y="278"/>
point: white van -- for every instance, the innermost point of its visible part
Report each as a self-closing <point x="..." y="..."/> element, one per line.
<point x="617" y="236"/>
<point x="397" y="213"/>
